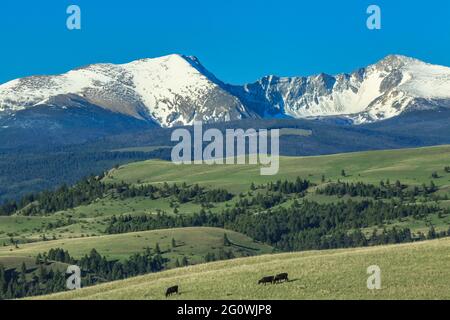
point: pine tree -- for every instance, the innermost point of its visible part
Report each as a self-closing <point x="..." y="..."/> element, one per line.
<point x="226" y="241"/>
<point x="23" y="273"/>
<point x="431" y="233"/>
<point x="3" y="279"/>
<point x="157" y="249"/>
<point x="184" y="262"/>
<point x="343" y="173"/>
<point x="42" y="273"/>
<point x="38" y="259"/>
<point x="174" y="243"/>
<point x="433" y="187"/>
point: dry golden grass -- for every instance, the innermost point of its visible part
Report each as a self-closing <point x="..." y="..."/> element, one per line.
<point x="409" y="271"/>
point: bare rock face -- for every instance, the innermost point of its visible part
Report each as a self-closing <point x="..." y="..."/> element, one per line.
<point x="384" y="90"/>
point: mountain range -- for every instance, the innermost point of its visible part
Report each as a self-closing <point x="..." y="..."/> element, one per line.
<point x="57" y="129"/>
<point x="176" y="90"/>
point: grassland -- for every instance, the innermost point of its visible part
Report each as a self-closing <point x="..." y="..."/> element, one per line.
<point x="193" y="243"/>
<point x="417" y="270"/>
<point x="411" y="166"/>
<point x="10" y="263"/>
<point x="408" y="271"/>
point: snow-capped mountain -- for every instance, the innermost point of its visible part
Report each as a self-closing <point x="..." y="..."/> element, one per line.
<point x="169" y="90"/>
<point x="175" y="89"/>
<point x="386" y="89"/>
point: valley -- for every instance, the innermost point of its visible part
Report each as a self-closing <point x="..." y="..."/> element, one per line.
<point x="195" y="214"/>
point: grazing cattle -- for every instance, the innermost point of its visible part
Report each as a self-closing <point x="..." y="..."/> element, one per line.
<point x="266" y="280"/>
<point x="280" y="278"/>
<point x="172" y="290"/>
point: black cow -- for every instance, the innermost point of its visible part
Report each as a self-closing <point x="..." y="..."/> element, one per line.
<point x="172" y="290"/>
<point x="266" y="280"/>
<point x="280" y="278"/>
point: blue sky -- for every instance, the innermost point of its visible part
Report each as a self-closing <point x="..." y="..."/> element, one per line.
<point x="238" y="40"/>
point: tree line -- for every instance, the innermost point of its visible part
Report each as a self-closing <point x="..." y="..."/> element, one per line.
<point x="95" y="269"/>
<point x="385" y="190"/>
<point x="92" y="188"/>
<point x="302" y="225"/>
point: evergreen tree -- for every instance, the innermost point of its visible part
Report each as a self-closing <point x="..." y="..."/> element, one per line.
<point x="42" y="273"/>
<point x="23" y="273"/>
<point x="2" y="280"/>
<point x="431" y="233"/>
<point x="433" y="187"/>
<point x="226" y="241"/>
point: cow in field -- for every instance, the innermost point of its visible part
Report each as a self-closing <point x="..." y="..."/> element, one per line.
<point x="280" y="278"/>
<point x="172" y="290"/>
<point x="266" y="280"/>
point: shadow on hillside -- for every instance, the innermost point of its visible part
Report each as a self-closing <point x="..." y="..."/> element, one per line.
<point x="243" y="247"/>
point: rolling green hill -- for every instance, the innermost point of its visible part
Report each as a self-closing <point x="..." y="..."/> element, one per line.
<point x="194" y="243"/>
<point x="411" y="166"/>
<point x="408" y="271"/>
<point x="285" y="220"/>
<point x="15" y="262"/>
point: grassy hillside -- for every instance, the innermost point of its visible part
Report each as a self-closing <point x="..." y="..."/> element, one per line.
<point x="194" y="243"/>
<point x="15" y="263"/>
<point x="409" y="271"/>
<point x="287" y="219"/>
<point x="411" y="166"/>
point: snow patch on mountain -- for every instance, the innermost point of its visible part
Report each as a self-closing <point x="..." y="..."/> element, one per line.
<point x="168" y="90"/>
<point x="177" y="90"/>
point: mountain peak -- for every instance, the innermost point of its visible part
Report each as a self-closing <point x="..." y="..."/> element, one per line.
<point x="168" y="60"/>
<point x="169" y="90"/>
<point x="177" y="89"/>
<point x="397" y="61"/>
<point x="397" y="57"/>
